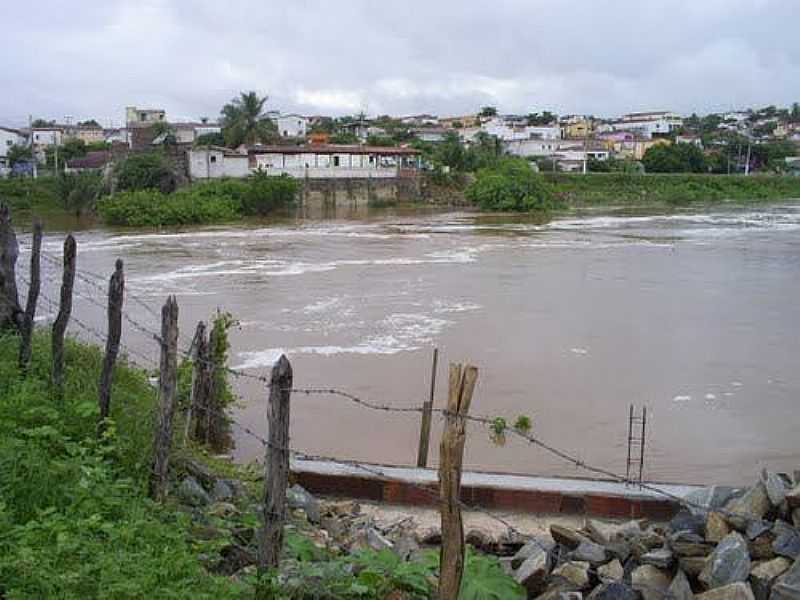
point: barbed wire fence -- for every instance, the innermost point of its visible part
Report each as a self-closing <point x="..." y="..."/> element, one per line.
<point x="139" y="359"/>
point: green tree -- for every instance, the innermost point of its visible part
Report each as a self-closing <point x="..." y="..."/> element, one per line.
<point x="89" y="123"/>
<point x="511" y="185"/>
<point x="146" y="171"/>
<point x="488" y="111"/>
<point x="210" y="139"/>
<point x="674" y="158"/>
<point x="794" y="114"/>
<point x="78" y="191"/>
<point x="71" y="148"/>
<point x="162" y="128"/>
<point x="244" y="121"/>
<point x="42" y="123"/>
<point x="344" y="137"/>
<point x="540" y="119"/>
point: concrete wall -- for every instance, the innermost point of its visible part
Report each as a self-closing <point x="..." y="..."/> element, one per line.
<point x="350" y="197"/>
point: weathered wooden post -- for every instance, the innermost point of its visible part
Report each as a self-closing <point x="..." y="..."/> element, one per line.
<point x="427" y="410"/>
<point x="198" y="399"/>
<point x="64" y="312"/>
<point x="462" y="386"/>
<point x="116" y="292"/>
<point x="167" y="388"/>
<point x="33" y="298"/>
<point x="277" y="465"/>
<point x="10" y="312"/>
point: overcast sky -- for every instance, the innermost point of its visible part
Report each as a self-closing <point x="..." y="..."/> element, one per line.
<point x="91" y="58"/>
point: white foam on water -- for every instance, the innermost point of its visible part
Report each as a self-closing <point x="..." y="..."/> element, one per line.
<point x="321" y="305"/>
<point x="579" y="351"/>
<point x="710" y="396"/>
<point x="685" y="398"/>
<point x="737" y="383"/>
<point x="444" y="306"/>
<point x="260" y="358"/>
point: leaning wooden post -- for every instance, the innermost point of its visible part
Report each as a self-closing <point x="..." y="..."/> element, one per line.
<point x="64" y="312"/>
<point x="277" y="465"/>
<point x="116" y="292"/>
<point x="427" y="410"/>
<point x="33" y="298"/>
<point x="10" y="312"/>
<point x="196" y="392"/>
<point x="462" y="386"/>
<point x="167" y="388"/>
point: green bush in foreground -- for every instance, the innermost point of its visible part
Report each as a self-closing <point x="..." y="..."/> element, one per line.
<point x="510" y="185"/>
<point x="74" y="519"/>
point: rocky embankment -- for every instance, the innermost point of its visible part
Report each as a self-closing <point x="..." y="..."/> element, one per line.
<point x="733" y="543"/>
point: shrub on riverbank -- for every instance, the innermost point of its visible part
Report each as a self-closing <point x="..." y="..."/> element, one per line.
<point x="211" y="202"/>
<point x="626" y="188"/>
<point x="26" y="194"/>
<point x="511" y="185"/>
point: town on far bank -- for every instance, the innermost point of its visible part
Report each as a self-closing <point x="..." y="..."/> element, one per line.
<point x="141" y="173"/>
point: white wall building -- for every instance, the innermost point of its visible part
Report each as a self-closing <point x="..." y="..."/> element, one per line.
<point x="213" y="162"/>
<point x="320" y="161"/>
<point x="648" y="124"/>
<point x="143" y="117"/>
<point x="9" y="138"/>
<point x="292" y="125"/>
<point x="531" y="147"/>
<point x="47" y="136"/>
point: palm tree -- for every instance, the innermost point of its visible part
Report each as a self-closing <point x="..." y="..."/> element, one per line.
<point x="244" y="121"/>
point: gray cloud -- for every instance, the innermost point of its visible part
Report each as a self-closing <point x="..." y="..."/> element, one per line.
<point x="92" y="57"/>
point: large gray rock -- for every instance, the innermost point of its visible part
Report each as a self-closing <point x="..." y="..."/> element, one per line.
<point x="661" y="558"/>
<point x="612" y="571"/>
<point x="590" y="552"/>
<point x="787" y="540"/>
<point x="377" y="541"/>
<point x="298" y="497"/>
<point x="716" y="527"/>
<point x="222" y="491"/>
<point x="710" y="498"/>
<point x="533" y="547"/>
<point x="615" y="590"/>
<point x="776" y="488"/>
<point x="533" y="572"/>
<point x="793" y="496"/>
<point x="680" y="589"/>
<point x="692" y="565"/>
<point x="652" y="583"/>
<point x="752" y="505"/>
<point x="686" y="520"/>
<point x="729" y="563"/>
<point x="575" y="573"/>
<point x="764" y="573"/>
<point x="787" y="586"/>
<point x="567" y="537"/>
<point x="192" y="493"/>
<point x="732" y="591"/>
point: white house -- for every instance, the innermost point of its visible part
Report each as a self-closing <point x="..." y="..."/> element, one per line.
<point x="531" y="147"/>
<point x="214" y="162"/>
<point x="9" y="137"/>
<point x="648" y="124"/>
<point x="430" y="134"/>
<point x="47" y="136"/>
<point x="291" y="125"/>
<point x="320" y="161"/>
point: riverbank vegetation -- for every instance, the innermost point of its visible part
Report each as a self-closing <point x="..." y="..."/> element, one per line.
<point x="611" y="189"/>
<point x="75" y="519"/>
<point x="510" y="184"/>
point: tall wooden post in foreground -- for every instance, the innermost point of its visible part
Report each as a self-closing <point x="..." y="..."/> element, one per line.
<point x="116" y="290"/>
<point x="451" y="457"/>
<point x="167" y="388"/>
<point x="64" y="313"/>
<point x="9" y="251"/>
<point x="33" y="298"/>
<point x="277" y="465"/>
<point x="427" y="412"/>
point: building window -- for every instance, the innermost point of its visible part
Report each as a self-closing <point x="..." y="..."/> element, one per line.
<point x="335" y="161"/>
<point x="213" y="159"/>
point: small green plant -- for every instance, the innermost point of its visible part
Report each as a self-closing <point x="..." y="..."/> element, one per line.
<point x="484" y="579"/>
<point x="523" y="424"/>
<point x="497" y="430"/>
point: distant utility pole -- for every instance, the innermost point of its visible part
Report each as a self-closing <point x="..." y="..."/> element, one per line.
<point x="747" y="162"/>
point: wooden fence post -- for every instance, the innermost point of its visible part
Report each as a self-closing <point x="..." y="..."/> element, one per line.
<point x="64" y="312"/>
<point x="116" y="290"/>
<point x="167" y="388"/>
<point x="33" y="298"/>
<point x="10" y="313"/>
<point x="427" y="410"/>
<point x="462" y="386"/>
<point x="196" y="391"/>
<point x="277" y="465"/>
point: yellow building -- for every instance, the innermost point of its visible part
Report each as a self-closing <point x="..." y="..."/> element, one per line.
<point x="465" y="121"/>
<point x="577" y="129"/>
<point x="635" y="149"/>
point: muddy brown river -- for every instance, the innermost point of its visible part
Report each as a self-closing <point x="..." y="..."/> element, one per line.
<point x="694" y="315"/>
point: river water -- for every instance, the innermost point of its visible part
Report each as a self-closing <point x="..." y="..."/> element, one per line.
<point x="693" y="315"/>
